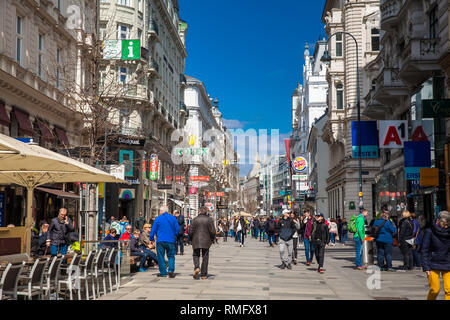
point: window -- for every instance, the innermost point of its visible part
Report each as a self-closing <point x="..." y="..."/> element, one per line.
<point x="123" y="72"/>
<point x="123" y="32"/>
<point x="58" y="71"/>
<point x="339" y="96"/>
<point x="339" y="45"/>
<point x="59" y="5"/>
<point x="128" y="3"/>
<point x="140" y="35"/>
<point x="19" y="39"/>
<point x="140" y="5"/>
<point x="375" y="33"/>
<point x="40" y="53"/>
<point x="102" y="30"/>
<point x="433" y="23"/>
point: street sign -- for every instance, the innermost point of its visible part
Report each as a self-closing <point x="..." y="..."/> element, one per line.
<point x="429" y="177"/>
<point x="393" y="133"/>
<point x="222" y="206"/>
<point x="285" y="193"/>
<point x="437" y="108"/>
<point x="300" y="177"/>
<point x="162" y="186"/>
<point x="121" y="49"/>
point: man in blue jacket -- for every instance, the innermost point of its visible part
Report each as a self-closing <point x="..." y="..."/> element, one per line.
<point x="385" y="241"/>
<point x="166" y="229"/>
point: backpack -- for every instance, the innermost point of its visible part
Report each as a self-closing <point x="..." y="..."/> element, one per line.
<point x="352" y="224"/>
<point x="271" y="227"/>
<point x="375" y="231"/>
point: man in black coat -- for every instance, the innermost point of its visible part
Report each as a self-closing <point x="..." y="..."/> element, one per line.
<point x="320" y="237"/>
<point x="56" y="235"/>
<point x="202" y="233"/>
<point x="287" y="230"/>
<point x="180" y="236"/>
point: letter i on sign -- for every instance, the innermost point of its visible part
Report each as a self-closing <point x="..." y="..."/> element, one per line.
<point x="130" y="50"/>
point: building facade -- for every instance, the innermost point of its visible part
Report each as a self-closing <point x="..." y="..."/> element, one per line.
<point x="362" y="20"/>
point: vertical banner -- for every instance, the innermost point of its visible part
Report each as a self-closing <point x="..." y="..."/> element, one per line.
<point x="126" y="157"/>
<point x="2" y="209"/>
<point x="287" y="147"/>
<point x="393" y="133"/>
<point x="154" y="167"/>
<point x="369" y="140"/>
<point x="144" y="169"/>
<point x="101" y="190"/>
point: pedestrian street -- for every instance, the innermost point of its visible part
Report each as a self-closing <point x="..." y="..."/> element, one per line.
<point x="252" y="273"/>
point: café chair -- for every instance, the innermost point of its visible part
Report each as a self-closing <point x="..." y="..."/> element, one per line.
<point x="52" y="276"/>
<point x="99" y="268"/>
<point x="71" y="278"/>
<point x="86" y="273"/>
<point x="33" y="282"/>
<point x="9" y="280"/>
<point x="110" y="263"/>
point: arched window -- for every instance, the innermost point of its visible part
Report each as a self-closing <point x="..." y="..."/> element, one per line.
<point x="339" y="96"/>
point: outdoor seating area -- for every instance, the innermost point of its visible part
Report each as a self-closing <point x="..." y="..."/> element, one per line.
<point x="62" y="277"/>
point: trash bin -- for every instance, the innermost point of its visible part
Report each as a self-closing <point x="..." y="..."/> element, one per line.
<point x="368" y="256"/>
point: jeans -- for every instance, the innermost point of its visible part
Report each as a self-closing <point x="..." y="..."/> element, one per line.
<point x="358" y="252"/>
<point x="142" y="259"/>
<point x="333" y="237"/>
<point x="286" y="246"/>
<point x="150" y="255"/>
<point x="162" y="248"/>
<point x="255" y="233"/>
<point x="384" y="251"/>
<point x="261" y="234"/>
<point x="344" y="236"/>
<point x="319" y="251"/>
<point x="271" y="237"/>
<point x="205" y="259"/>
<point x="416" y="256"/>
<point x="309" y="250"/>
<point x="241" y="237"/>
<point x="180" y="243"/>
<point x="225" y="236"/>
<point x="55" y="249"/>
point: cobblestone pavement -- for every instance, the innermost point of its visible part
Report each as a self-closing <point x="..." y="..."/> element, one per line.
<point x="252" y="272"/>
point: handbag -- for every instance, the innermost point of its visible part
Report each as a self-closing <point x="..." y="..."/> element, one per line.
<point x="411" y="241"/>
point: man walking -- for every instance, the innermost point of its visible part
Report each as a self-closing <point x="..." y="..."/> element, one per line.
<point x="56" y="234"/>
<point x="270" y="230"/>
<point x="140" y="221"/>
<point x="166" y="229"/>
<point x="359" y="238"/>
<point x="202" y="233"/>
<point x="287" y="230"/>
<point x="309" y="248"/>
<point x="180" y="236"/>
<point x="321" y="238"/>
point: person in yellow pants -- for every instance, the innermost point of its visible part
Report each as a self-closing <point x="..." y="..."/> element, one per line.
<point x="436" y="255"/>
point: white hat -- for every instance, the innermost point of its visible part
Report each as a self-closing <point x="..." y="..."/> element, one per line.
<point x="286" y="211"/>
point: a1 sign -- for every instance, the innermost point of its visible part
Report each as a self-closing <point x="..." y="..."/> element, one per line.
<point x="393" y="133"/>
<point x="423" y="130"/>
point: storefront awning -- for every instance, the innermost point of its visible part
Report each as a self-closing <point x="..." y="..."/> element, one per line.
<point x="178" y="202"/>
<point x="62" y="136"/>
<point x="60" y="193"/>
<point x="24" y="122"/>
<point x="46" y="134"/>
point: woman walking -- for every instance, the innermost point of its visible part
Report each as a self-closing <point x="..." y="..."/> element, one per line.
<point x="333" y="231"/>
<point x="405" y="239"/>
<point x="384" y="241"/>
<point x="241" y="228"/>
<point x="295" y="236"/>
<point x="344" y="231"/>
<point x="436" y="255"/>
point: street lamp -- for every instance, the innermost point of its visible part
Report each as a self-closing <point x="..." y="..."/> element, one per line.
<point x="327" y="58"/>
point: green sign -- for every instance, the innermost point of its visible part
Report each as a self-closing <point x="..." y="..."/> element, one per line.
<point x="439" y="108"/>
<point x="352" y="206"/>
<point x="122" y="49"/>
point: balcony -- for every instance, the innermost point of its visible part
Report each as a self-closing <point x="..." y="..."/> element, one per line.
<point x="153" y="31"/>
<point x="144" y="54"/>
<point x="153" y="68"/>
<point x="418" y="61"/>
<point x="131" y="132"/>
<point x="183" y="79"/>
<point x="390" y="90"/>
<point x="375" y="109"/>
<point x="389" y="13"/>
<point x="183" y="108"/>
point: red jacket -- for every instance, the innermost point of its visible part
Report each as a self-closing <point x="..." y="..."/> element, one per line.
<point x="125" y="236"/>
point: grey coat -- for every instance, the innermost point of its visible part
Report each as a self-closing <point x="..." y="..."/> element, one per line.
<point x="202" y="232"/>
<point x="57" y="231"/>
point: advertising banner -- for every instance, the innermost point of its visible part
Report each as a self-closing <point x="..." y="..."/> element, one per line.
<point x="300" y="164"/>
<point x="126" y="157"/>
<point x="154" y="163"/>
<point x="369" y="140"/>
<point x="393" y="133"/>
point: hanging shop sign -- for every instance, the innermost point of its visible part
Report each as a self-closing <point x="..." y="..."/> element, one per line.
<point x="199" y="178"/>
<point x="209" y="206"/>
<point x="436" y="108"/>
<point x="423" y="130"/>
<point x="154" y="163"/>
<point x="300" y="164"/>
<point x="126" y="158"/>
<point x="429" y="177"/>
<point x="127" y="194"/>
<point x="193" y="190"/>
<point x="300" y="177"/>
<point x="122" y="49"/>
<point x="130" y="141"/>
<point x="417" y="155"/>
<point x="117" y="171"/>
<point x="192" y="151"/>
<point x="369" y="140"/>
<point x="393" y="133"/>
<point x="164" y="186"/>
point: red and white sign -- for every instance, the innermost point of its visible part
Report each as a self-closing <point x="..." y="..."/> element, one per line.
<point x="199" y="178"/>
<point x="393" y="133"/>
<point x="209" y="206"/>
<point x="422" y="130"/>
<point x="218" y="194"/>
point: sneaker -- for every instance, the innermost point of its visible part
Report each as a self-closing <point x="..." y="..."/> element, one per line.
<point x="196" y="272"/>
<point x="294" y="262"/>
<point x="320" y="270"/>
<point x="283" y="266"/>
<point x="289" y="266"/>
<point x="204" y="277"/>
<point x="360" y="268"/>
<point x="308" y="263"/>
<point x="171" y="275"/>
<point x="143" y="269"/>
<point x="390" y="270"/>
<point x="161" y="276"/>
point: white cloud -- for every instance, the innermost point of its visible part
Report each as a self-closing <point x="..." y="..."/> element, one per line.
<point x="234" y="123"/>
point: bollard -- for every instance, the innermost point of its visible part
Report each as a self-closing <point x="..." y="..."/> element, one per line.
<point x="368" y="256"/>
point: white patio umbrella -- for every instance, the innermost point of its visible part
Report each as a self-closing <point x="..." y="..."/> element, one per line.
<point x="30" y="165"/>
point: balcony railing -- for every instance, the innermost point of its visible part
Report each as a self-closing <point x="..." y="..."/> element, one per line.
<point x="144" y="54"/>
<point x="153" y="66"/>
<point x="389" y="10"/>
<point x="154" y="27"/>
<point x="129" y="131"/>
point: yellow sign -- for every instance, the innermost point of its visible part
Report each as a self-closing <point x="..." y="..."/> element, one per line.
<point x="101" y="190"/>
<point x="360" y="194"/>
<point x="429" y="177"/>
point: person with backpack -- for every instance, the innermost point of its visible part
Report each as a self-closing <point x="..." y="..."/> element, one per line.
<point x="241" y="229"/>
<point x="406" y="240"/>
<point x="295" y="236"/>
<point x="287" y="231"/>
<point x="277" y="230"/>
<point x="180" y="236"/>
<point x="320" y="237"/>
<point x="309" y="247"/>
<point x="270" y="230"/>
<point x="417" y="241"/>
<point x="333" y="228"/>
<point x="356" y="226"/>
<point x="262" y="226"/>
<point x="436" y="255"/>
<point x="383" y="231"/>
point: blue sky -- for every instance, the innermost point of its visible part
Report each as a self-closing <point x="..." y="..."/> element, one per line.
<point x="249" y="53"/>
